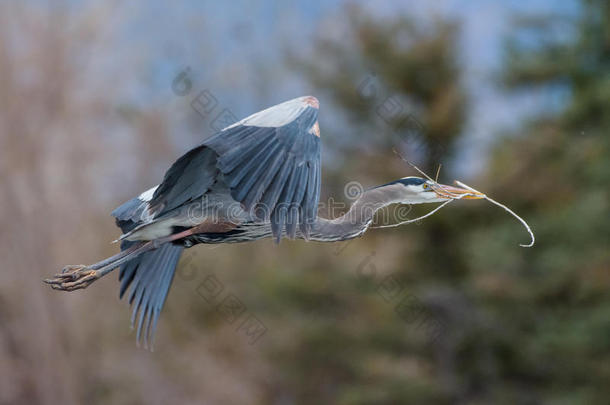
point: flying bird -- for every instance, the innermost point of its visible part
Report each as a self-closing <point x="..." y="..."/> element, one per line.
<point x="258" y="178"/>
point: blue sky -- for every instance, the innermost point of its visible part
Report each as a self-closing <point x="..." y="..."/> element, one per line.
<point x="235" y="49"/>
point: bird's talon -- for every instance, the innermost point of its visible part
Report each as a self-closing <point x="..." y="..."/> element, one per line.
<point x="73" y="278"/>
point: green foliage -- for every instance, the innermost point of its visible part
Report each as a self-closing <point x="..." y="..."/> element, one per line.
<point x="518" y="325"/>
<point x="398" y="80"/>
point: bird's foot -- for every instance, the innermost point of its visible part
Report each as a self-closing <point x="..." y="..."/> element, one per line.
<point x="73" y="277"/>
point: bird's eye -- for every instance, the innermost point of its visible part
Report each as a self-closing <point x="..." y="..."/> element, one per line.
<point x="425" y="186"/>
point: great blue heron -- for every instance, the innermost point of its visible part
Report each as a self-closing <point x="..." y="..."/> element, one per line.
<point x="257" y="178"/>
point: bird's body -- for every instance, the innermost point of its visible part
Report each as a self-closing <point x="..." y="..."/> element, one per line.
<point x="229" y="222"/>
<point x="258" y="178"/>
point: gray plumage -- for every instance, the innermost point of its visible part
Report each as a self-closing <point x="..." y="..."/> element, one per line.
<point x="258" y="178"/>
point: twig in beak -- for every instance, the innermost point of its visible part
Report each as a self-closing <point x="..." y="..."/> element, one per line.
<point x="527" y="227"/>
<point x="408" y="221"/>
<point x="454" y="196"/>
<point x="412" y="165"/>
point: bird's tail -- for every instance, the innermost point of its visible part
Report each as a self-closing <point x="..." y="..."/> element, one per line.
<point x="150" y="276"/>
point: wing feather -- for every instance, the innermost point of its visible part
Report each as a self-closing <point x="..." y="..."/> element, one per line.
<point x="297" y="199"/>
<point x="253" y="172"/>
<point x="272" y="195"/>
<point x="186" y="180"/>
<point x="268" y="160"/>
<point x="257" y="190"/>
<point x="271" y="163"/>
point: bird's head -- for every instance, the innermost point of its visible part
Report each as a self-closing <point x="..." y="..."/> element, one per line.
<point x="417" y="190"/>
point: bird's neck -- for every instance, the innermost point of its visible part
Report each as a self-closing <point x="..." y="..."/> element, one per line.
<point x="359" y="217"/>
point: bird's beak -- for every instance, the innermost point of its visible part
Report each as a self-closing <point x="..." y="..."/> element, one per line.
<point x="447" y="192"/>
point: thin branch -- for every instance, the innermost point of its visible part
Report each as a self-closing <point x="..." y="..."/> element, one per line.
<point x="412" y="165"/>
<point x="527" y="227"/>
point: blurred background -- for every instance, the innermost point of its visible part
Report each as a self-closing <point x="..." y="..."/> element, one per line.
<point x="97" y="99"/>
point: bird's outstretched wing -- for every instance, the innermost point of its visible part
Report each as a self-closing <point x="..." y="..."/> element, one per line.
<point x="186" y="180"/>
<point x="269" y="160"/>
<point x="271" y="163"/>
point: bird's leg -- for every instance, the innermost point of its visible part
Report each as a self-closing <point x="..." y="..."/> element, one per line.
<point x="74" y="277"/>
<point x="79" y="276"/>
